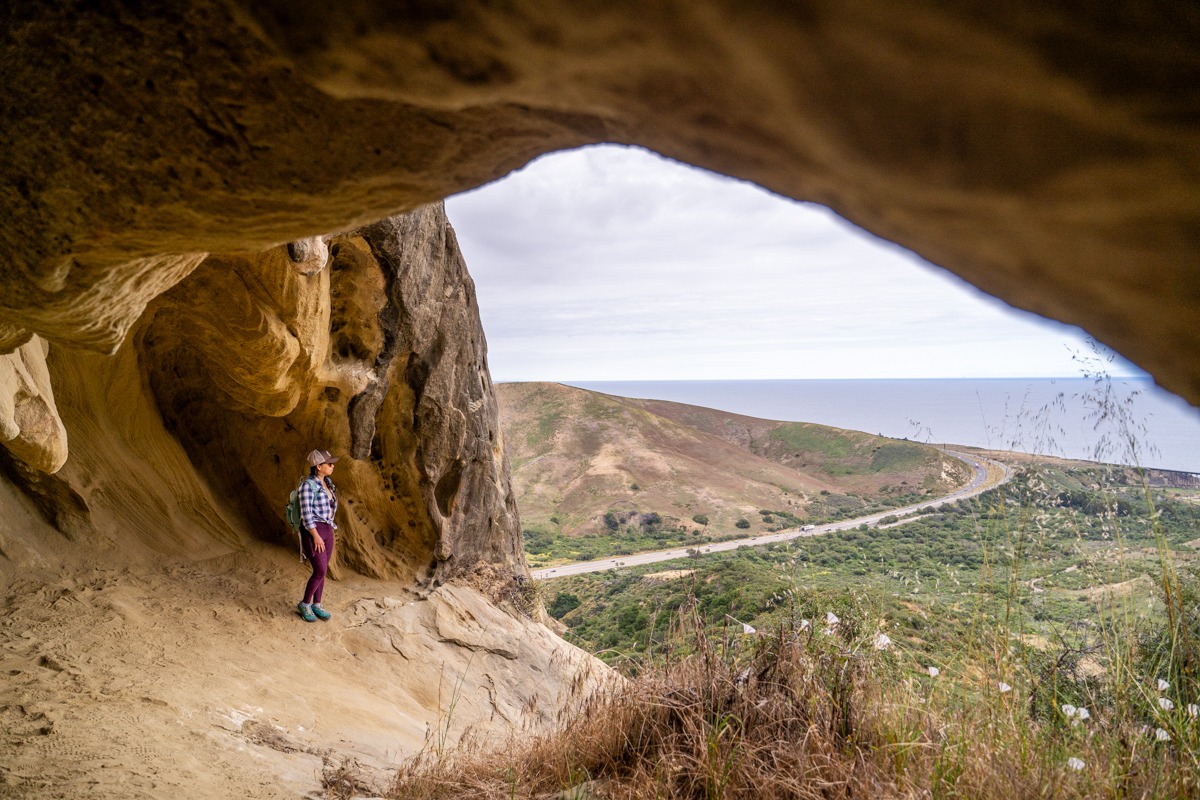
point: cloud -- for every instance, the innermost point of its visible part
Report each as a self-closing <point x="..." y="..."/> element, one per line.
<point x="613" y="263"/>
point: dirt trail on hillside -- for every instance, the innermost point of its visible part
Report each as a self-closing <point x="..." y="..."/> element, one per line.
<point x="199" y="680"/>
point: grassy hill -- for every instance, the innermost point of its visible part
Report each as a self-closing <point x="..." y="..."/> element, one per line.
<point x="587" y="464"/>
<point x="1040" y="640"/>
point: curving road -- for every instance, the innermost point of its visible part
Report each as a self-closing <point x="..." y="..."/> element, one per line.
<point x="979" y="484"/>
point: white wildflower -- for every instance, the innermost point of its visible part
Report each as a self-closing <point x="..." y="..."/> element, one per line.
<point x="748" y="629"/>
<point x="1004" y="687"/>
<point x="1165" y="704"/>
<point x="1163" y="685"/>
<point x="1162" y="735"/>
<point x="831" y="619"/>
<point x="1193" y="710"/>
<point x="1075" y="763"/>
<point x="882" y="642"/>
<point x="804" y="624"/>
<point x="1083" y="714"/>
<point x="1069" y="709"/>
<point x="934" y="672"/>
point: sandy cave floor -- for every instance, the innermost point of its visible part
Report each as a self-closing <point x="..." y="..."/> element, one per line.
<point x="199" y="680"/>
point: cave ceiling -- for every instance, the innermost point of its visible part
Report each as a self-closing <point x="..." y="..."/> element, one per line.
<point x="1045" y="152"/>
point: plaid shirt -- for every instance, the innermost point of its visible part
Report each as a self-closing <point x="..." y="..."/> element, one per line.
<point x="317" y="504"/>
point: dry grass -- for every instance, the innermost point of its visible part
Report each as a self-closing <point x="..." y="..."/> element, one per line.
<point x="803" y="714"/>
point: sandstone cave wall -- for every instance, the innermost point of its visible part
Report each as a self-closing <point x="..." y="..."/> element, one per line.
<point x="189" y="438"/>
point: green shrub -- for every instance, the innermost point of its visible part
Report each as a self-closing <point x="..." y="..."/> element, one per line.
<point x="562" y="604"/>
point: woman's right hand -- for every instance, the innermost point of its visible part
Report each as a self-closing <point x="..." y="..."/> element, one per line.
<point x="318" y="544"/>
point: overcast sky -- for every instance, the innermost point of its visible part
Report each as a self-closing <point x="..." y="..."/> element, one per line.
<point x="613" y="263"/>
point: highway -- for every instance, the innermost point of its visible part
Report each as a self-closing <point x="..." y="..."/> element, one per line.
<point x="979" y="483"/>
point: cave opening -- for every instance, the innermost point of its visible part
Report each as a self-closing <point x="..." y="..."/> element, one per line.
<point x="616" y="269"/>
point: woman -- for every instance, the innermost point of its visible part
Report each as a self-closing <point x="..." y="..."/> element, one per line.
<point x="318" y="504"/>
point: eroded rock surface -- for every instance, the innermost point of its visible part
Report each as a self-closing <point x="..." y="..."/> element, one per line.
<point x="188" y="440"/>
<point x="254" y="360"/>
<point x="1046" y="152"/>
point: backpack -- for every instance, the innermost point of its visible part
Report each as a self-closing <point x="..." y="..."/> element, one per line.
<point x="292" y="511"/>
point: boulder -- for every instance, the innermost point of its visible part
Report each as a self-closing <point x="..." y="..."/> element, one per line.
<point x="30" y="427"/>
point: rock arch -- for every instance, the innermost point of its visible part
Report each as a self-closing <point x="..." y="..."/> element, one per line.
<point x="1048" y="153"/>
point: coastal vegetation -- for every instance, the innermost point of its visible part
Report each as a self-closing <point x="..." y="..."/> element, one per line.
<point x="1039" y="640"/>
<point x="1045" y="556"/>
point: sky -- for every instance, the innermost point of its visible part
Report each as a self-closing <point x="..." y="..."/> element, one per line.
<point x="614" y="263"/>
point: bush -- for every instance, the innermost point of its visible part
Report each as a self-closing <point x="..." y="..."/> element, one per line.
<point x="742" y="523"/>
<point x="537" y="542"/>
<point x="562" y="604"/>
<point x="1173" y="653"/>
<point x="700" y="519"/>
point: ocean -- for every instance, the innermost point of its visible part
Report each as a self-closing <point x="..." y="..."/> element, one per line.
<point x="1117" y="420"/>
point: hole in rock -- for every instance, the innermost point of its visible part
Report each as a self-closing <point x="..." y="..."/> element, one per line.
<point x="446" y="491"/>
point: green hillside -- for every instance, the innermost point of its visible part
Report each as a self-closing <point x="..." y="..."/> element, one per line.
<point x="615" y="475"/>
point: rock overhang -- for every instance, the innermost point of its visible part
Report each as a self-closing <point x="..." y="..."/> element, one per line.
<point x="1045" y="154"/>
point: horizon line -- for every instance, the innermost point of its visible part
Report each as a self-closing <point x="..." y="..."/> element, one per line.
<point x="1141" y="377"/>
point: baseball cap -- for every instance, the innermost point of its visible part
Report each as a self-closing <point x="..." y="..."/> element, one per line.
<point x="321" y="457"/>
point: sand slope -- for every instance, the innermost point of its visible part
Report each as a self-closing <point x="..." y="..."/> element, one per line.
<point x="198" y="680"/>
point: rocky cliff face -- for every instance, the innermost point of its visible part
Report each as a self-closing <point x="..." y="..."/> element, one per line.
<point x="367" y="343"/>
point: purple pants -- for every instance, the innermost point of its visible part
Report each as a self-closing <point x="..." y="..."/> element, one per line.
<point x="319" y="561"/>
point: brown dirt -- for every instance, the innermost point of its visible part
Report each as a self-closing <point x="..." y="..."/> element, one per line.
<point x="198" y="680"/>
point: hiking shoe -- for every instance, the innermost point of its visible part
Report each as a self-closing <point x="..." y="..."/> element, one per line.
<point x="321" y="613"/>
<point x="306" y="613"/>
